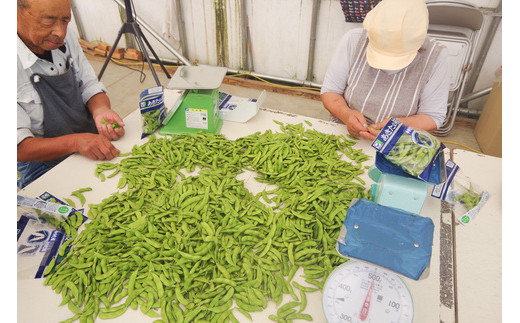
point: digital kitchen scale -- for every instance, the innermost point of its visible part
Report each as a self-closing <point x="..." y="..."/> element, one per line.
<point x="197" y="109"/>
<point x="360" y="292"/>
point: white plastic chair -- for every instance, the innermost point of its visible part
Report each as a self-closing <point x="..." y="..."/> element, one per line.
<point x="457" y="25"/>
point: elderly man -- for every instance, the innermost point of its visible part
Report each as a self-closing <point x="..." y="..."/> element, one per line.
<point x="62" y="107"/>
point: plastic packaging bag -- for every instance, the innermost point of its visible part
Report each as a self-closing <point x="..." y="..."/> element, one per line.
<point x="466" y="197"/>
<point x="42" y="229"/>
<point x="151" y="104"/>
<point x="48" y="210"/>
<point x="413" y="150"/>
<point x="38" y="243"/>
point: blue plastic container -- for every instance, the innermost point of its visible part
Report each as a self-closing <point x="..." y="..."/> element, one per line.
<point x="396" y="191"/>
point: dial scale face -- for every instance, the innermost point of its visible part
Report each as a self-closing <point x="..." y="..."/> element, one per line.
<point x="360" y="292"/>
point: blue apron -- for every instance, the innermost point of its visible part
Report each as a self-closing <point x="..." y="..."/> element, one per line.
<point x="64" y="113"/>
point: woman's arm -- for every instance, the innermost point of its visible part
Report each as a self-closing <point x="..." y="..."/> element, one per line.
<point x="354" y="120"/>
<point x="418" y="121"/>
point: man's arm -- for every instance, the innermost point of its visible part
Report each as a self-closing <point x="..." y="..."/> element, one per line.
<point x="96" y="147"/>
<point x="93" y="146"/>
<point x="93" y="92"/>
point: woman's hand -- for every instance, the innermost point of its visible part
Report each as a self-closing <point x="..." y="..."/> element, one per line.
<point x="357" y="124"/>
<point x="374" y="129"/>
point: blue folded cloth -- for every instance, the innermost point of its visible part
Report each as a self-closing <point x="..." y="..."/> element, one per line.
<point x="391" y="238"/>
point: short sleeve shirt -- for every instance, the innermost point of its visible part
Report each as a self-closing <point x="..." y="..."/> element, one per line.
<point x="433" y="99"/>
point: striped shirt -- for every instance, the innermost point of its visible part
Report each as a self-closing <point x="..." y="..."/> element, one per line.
<point x="420" y="88"/>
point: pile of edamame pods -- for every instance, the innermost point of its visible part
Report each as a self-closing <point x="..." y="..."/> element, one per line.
<point x="184" y="240"/>
<point x="412" y="156"/>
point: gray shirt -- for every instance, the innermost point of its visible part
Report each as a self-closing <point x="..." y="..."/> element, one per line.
<point x="30" y="109"/>
<point x="432" y="99"/>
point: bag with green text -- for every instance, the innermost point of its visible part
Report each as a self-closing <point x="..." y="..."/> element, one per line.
<point x="151" y="104"/>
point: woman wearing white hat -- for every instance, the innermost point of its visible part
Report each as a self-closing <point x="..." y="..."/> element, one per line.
<point x="389" y="68"/>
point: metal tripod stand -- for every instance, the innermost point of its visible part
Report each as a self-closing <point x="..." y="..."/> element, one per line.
<point x="131" y="26"/>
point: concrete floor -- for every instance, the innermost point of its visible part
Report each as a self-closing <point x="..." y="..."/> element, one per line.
<point x="125" y="83"/>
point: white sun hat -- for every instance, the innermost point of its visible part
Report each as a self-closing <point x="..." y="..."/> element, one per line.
<point x="396" y="30"/>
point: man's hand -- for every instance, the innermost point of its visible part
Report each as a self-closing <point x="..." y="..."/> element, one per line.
<point x="104" y="122"/>
<point x="96" y="147"/>
<point x="99" y="107"/>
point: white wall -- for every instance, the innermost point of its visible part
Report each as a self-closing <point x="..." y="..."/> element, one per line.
<point x="280" y="33"/>
<point x="99" y="19"/>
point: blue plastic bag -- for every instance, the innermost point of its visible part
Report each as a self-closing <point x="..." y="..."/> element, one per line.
<point x="388" y="237"/>
<point x="437" y="169"/>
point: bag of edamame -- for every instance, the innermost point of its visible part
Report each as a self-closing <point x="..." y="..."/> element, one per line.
<point x="151" y="104"/>
<point x="43" y="236"/>
<point x="412" y="150"/>
<point x="466" y="197"/>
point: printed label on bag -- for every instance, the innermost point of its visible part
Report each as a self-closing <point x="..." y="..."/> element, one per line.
<point x="440" y="191"/>
<point x="469" y="216"/>
<point x="384" y="140"/>
<point x="422" y="139"/>
<point x="60" y="210"/>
